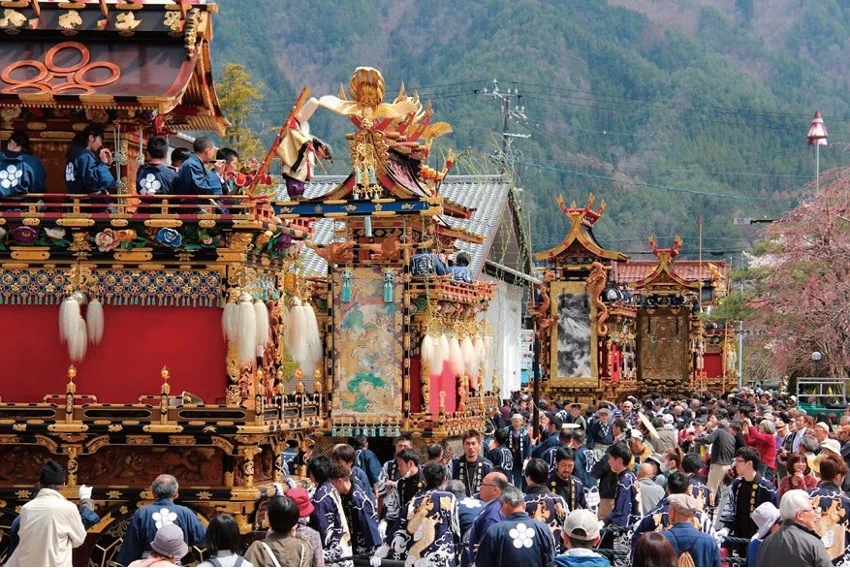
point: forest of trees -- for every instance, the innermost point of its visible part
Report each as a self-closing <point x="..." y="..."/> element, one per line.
<point x="706" y="117"/>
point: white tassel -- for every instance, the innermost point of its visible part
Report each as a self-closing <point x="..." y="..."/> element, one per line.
<point x="455" y="356"/>
<point x="77" y="341"/>
<point x="468" y="353"/>
<point x="229" y="321"/>
<point x="261" y="312"/>
<point x="315" y="349"/>
<point x="246" y="338"/>
<point x="441" y="354"/>
<point x="426" y="352"/>
<point x="95" y="321"/>
<point x="69" y="313"/>
<point x="298" y="345"/>
<point x="488" y="361"/>
<point x="478" y="345"/>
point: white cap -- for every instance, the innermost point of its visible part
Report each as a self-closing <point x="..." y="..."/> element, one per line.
<point x="667" y="419"/>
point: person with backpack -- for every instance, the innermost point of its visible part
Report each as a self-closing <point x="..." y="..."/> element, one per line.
<point x="693" y="548"/>
<point x="223" y="543"/>
<point x="281" y="547"/>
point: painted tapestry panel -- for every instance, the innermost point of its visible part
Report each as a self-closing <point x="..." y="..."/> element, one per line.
<point x="573" y="348"/>
<point x="368" y="346"/>
<point x="663" y="345"/>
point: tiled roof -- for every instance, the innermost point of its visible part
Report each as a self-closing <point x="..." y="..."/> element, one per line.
<point x="689" y="270"/>
<point x="486" y="194"/>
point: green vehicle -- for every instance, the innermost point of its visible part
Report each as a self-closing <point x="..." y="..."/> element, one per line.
<point x="822" y="396"/>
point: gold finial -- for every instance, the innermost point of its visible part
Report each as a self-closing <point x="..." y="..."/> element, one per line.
<point x="72" y="372"/>
<point x="318" y="386"/>
<point x="166" y="388"/>
<point x="299" y="386"/>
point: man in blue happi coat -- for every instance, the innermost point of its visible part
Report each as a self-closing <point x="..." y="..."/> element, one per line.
<point x="500" y="454"/>
<point x="491" y="491"/>
<point x="18" y="149"/>
<point x="193" y="177"/>
<point x="550" y="440"/>
<point x="470" y="468"/>
<point x="87" y="169"/>
<point x="658" y="518"/>
<point x="328" y="517"/>
<point x="520" y="445"/>
<point x="147" y="520"/>
<point x="541" y="504"/>
<point x="584" y="459"/>
<point x="519" y="540"/>
<point x="562" y="481"/>
<point x="359" y="511"/>
<point x="366" y="459"/>
<point x="155" y="177"/>
<point x="581" y="536"/>
<point x="344" y="455"/>
<point x="685" y="538"/>
<point x="429" y="529"/>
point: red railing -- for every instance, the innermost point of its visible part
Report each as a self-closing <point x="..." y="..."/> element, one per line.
<point x="139" y="207"/>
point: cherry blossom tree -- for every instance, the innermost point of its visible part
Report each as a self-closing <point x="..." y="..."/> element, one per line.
<point x="803" y="298"/>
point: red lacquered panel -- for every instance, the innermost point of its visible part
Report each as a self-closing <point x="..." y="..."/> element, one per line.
<point x="138" y="341"/>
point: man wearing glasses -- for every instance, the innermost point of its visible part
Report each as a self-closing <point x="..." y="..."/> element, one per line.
<point x="749" y="490"/>
<point x="796" y="543"/>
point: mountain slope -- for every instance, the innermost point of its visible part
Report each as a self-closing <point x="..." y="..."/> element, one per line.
<point x="712" y="98"/>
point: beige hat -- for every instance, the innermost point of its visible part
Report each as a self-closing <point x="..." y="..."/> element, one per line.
<point x="684" y="504"/>
<point x="833" y="446"/>
<point x="823" y="425"/>
<point x="169" y="541"/>
<point x="582" y="525"/>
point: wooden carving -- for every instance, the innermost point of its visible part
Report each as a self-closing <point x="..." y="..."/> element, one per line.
<point x="595" y="285"/>
<point x="335" y="253"/>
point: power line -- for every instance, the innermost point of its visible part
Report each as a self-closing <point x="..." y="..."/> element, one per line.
<point x="645" y="184"/>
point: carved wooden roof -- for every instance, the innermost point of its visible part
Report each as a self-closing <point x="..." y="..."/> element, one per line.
<point x="580" y="233"/>
<point x="142" y="56"/>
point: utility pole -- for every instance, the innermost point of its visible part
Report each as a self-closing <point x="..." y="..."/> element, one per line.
<point x="510" y="109"/>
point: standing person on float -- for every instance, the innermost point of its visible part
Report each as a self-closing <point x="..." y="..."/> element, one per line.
<point x="471" y="467"/>
<point x="748" y="491"/>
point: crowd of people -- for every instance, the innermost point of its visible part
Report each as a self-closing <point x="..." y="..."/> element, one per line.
<point x="743" y="479"/>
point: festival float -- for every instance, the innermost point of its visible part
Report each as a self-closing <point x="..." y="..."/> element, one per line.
<point x="609" y="326"/>
<point x="405" y="350"/>
<point x="146" y="337"/>
<point x="168" y="334"/>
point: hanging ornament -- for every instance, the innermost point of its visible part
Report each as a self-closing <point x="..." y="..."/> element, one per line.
<point x="439" y="355"/>
<point x="230" y="318"/>
<point x="468" y="353"/>
<point x="426" y="353"/>
<point x="72" y="326"/>
<point x="345" y="293"/>
<point x="246" y="336"/>
<point x="478" y="345"/>
<point x="95" y="321"/>
<point x="455" y="356"/>
<point x="261" y="314"/>
<point x="389" y="282"/>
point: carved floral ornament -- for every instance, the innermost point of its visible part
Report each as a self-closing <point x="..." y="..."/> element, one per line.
<point x="48" y="70"/>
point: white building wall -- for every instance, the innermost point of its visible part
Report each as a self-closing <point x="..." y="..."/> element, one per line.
<point x="505" y="318"/>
